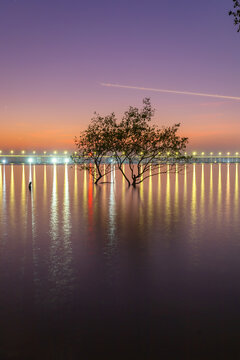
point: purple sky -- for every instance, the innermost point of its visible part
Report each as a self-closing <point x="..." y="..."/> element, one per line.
<point x="56" y="53"/>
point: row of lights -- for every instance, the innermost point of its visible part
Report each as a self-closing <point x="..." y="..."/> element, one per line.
<point x="194" y="153"/>
<point x="54" y="160"/>
<point x="31" y="161"/>
<point x="211" y="153"/>
<point x="34" y="152"/>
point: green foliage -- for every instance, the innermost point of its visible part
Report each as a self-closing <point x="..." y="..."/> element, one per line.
<point x="134" y="141"/>
<point x="93" y="145"/>
<point x="236" y="14"/>
<point x="146" y="148"/>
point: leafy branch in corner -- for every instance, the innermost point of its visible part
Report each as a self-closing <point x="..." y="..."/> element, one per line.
<point x="236" y="14"/>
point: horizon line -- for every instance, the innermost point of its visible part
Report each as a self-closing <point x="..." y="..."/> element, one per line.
<point x="171" y="91"/>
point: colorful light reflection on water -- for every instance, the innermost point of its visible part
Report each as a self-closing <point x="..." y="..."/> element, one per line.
<point x="135" y="270"/>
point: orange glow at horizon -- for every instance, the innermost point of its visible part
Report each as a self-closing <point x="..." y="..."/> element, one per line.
<point x="58" y="139"/>
<point x="54" y="130"/>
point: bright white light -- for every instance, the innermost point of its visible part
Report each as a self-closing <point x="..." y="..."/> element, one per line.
<point x="66" y="160"/>
<point x="4" y="161"/>
<point x="30" y="160"/>
<point x="54" y="160"/>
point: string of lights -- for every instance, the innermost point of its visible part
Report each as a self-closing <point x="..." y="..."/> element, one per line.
<point x="65" y="157"/>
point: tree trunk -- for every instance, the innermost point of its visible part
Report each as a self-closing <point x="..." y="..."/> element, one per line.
<point x="134" y="182"/>
<point x="97" y="180"/>
<point x="120" y="168"/>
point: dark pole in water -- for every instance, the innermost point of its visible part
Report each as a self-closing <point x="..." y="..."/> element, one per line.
<point x="30" y="185"/>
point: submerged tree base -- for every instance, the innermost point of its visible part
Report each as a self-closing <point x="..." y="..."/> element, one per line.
<point x="133" y="144"/>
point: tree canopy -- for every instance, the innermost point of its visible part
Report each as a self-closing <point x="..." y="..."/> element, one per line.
<point x="236" y="13"/>
<point x="93" y="145"/>
<point x="144" y="147"/>
<point x="134" y="141"/>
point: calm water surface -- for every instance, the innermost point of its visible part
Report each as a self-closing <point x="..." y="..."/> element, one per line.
<point x="126" y="273"/>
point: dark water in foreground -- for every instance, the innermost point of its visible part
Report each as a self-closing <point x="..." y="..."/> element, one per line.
<point x="87" y="270"/>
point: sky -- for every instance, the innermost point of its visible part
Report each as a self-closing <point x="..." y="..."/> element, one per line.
<point x="56" y="54"/>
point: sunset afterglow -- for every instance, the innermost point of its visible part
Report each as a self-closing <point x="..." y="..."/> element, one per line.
<point x="55" y="56"/>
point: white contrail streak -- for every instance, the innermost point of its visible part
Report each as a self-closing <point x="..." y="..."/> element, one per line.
<point x="171" y="91"/>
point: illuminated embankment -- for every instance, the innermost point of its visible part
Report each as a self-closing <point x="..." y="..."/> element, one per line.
<point x="34" y="157"/>
<point x="57" y="157"/>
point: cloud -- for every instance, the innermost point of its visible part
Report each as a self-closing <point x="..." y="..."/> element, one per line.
<point x="172" y="91"/>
